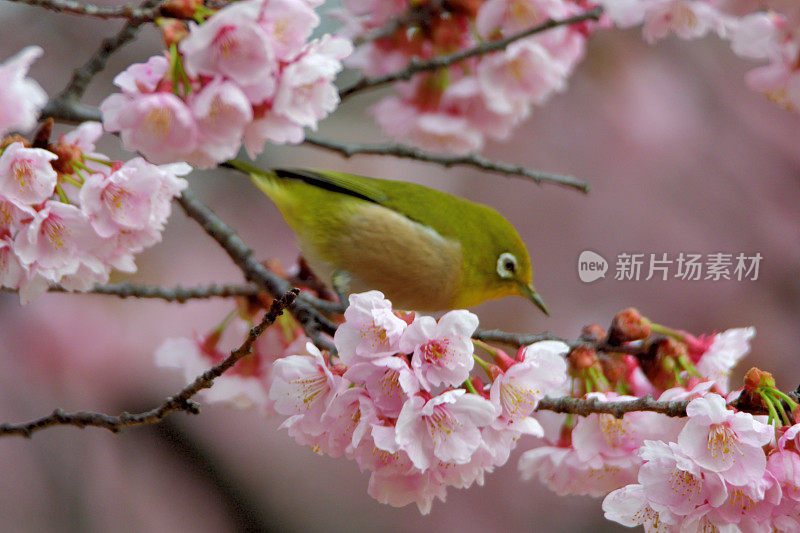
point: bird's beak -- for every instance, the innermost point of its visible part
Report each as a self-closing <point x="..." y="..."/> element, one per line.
<point x="530" y="293"/>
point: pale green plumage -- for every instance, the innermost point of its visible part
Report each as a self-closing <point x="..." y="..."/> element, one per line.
<point x="423" y="248"/>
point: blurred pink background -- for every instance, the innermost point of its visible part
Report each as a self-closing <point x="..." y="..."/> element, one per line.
<point x="681" y="158"/>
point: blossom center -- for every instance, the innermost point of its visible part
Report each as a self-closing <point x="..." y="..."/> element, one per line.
<point x="722" y="441"/>
<point x="23" y="173"/>
<point x="614" y="430"/>
<point x="684" y="483"/>
<point x="56" y="232"/>
<point x="158" y="122"/>
<point x="434" y="351"/>
<point x="308" y="389"/>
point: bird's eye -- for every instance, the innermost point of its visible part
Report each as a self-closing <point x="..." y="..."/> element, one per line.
<point x="506" y="265"/>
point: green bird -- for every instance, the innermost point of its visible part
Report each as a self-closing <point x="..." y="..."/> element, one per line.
<point x="424" y="249"/>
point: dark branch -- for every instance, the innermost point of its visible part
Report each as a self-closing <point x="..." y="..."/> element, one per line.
<point x="310" y="318"/>
<point x="416" y="66"/>
<point x="175" y="294"/>
<point x="70" y="112"/>
<point x="84" y="74"/>
<point x="136" y="15"/>
<point x="180" y="402"/>
<point x="471" y="160"/>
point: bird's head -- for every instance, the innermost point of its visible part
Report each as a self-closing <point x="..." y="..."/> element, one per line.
<point x="498" y="262"/>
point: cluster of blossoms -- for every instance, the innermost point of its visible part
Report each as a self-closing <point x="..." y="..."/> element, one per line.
<point x="402" y="400"/>
<point x="69" y="215"/>
<point x="761" y="35"/>
<point x="398" y="398"/>
<point x="719" y="469"/>
<point x="455" y="108"/>
<point x="21" y="98"/>
<point x="246" y="74"/>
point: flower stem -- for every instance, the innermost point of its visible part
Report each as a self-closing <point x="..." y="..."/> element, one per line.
<point x="664" y="330"/>
<point x="773" y="414"/>
<point x="470" y="387"/>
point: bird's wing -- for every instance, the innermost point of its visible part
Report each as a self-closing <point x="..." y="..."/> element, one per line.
<point x="349" y="184"/>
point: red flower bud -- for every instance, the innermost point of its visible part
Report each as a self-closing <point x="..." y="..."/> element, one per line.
<point x="628" y="325"/>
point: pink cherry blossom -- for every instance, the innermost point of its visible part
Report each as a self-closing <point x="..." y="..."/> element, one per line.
<point x="12" y="217"/>
<point x="443" y="428"/>
<point x="222" y="112"/>
<point x="629" y="506"/>
<point x="26" y="175"/>
<point x="159" y="125"/>
<point x="389" y="382"/>
<point x="688" y="19"/>
<point x="233" y="44"/>
<point x="303" y="387"/>
<point x="306" y="93"/>
<point x="84" y="137"/>
<point x="142" y="78"/>
<point x="563" y="472"/>
<point x="348" y="419"/>
<point x="511" y="16"/>
<point x="12" y="273"/>
<point x="289" y="24"/>
<point x="57" y="240"/>
<point x="524" y="72"/>
<point x="442" y="351"/>
<point x="370" y="330"/>
<point x="758" y="35"/>
<point x="439" y="131"/>
<point x="271" y="127"/>
<point x="726" y="350"/>
<point x="725" y="441"/>
<point x="516" y="392"/>
<point x="120" y="201"/>
<point x="673" y="480"/>
<point x="21" y="98"/>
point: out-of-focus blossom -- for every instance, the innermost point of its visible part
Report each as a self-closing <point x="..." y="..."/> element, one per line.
<point x="21" y="98"/>
<point x="26" y="175"/>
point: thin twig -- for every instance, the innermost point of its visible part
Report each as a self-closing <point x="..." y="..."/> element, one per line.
<point x="588" y="406"/>
<point x="180" y="402"/>
<point x="174" y="294"/>
<point x="311" y="319"/>
<point x="84" y="74"/>
<point x="471" y="160"/>
<point x="134" y="14"/>
<point x="416" y="65"/>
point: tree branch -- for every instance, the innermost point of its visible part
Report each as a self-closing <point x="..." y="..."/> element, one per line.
<point x="313" y="322"/>
<point x="588" y="406"/>
<point x="471" y="160"/>
<point x="84" y="74"/>
<point x="416" y="65"/>
<point x="134" y="14"/>
<point x="180" y="402"/>
<point x="175" y="294"/>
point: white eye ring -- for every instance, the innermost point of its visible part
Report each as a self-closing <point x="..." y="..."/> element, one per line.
<point x="506" y="265"/>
